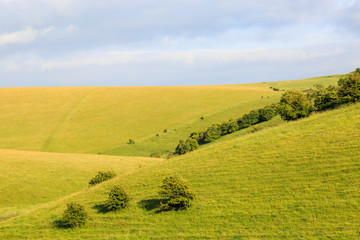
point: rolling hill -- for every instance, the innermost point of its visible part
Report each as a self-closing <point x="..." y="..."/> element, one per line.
<point x="103" y="119"/>
<point x="298" y="180"/>
<point x="29" y="179"/>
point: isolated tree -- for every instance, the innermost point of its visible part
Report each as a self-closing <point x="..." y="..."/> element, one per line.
<point x="294" y="105"/>
<point x="176" y="193"/>
<point x="118" y="199"/>
<point x="74" y="216"/>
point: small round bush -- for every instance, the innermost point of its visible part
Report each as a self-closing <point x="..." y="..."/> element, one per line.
<point x="74" y="216"/>
<point x="101" y="177"/>
<point x="118" y="199"/>
<point x="177" y="194"/>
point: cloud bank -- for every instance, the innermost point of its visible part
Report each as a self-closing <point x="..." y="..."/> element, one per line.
<point x="180" y="42"/>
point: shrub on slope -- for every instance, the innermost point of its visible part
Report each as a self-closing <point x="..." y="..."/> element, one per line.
<point x="74" y="216"/>
<point x="101" y="177"/>
<point x="118" y="199"/>
<point x="177" y="194"/>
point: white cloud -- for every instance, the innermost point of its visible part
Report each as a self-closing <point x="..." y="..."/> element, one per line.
<point x="27" y="35"/>
<point x="71" y="28"/>
<point x="186" y="57"/>
<point x="9" y="65"/>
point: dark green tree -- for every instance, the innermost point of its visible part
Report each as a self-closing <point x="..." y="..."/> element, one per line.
<point x="118" y="199"/>
<point x="212" y="133"/>
<point x="101" y="177"/>
<point x="186" y="146"/>
<point x="193" y="144"/>
<point x="182" y="148"/>
<point x="198" y="136"/>
<point x="267" y="113"/>
<point x="74" y="216"/>
<point x="326" y="98"/>
<point x="229" y="127"/>
<point x="176" y="193"/>
<point x="249" y="119"/>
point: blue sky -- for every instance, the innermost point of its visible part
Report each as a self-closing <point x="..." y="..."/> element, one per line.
<point x="175" y="42"/>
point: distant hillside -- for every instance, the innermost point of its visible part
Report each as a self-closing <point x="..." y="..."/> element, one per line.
<point x="103" y="119"/>
<point x="299" y="180"/>
<point x="94" y="119"/>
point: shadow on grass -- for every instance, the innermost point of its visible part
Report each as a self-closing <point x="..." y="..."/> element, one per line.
<point x="59" y="224"/>
<point x="150" y="204"/>
<point x="101" y="208"/>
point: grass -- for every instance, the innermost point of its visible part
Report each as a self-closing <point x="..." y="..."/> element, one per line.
<point x="164" y="143"/>
<point x="96" y="119"/>
<point x="103" y="119"/>
<point x="29" y="179"/>
<point x="308" y="83"/>
<point x="298" y="180"/>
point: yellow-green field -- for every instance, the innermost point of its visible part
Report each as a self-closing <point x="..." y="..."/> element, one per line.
<point x="29" y="179"/>
<point x="103" y="119"/>
<point x="91" y="120"/>
<point x="299" y="180"/>
<point x="274" y="180"/>
<point x="307" y="83"/>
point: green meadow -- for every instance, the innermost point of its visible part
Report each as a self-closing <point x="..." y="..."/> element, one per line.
<point x="274" y="180"/>
<point x="30" y="179"/>
<point x="97" y="119"/>
<point x="103" y="119"/>
<point x="294" y="181"/>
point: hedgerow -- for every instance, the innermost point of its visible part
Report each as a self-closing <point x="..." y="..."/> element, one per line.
<point x="293" y="105"/>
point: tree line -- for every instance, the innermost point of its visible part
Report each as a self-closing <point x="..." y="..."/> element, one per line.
<point x="293" y="105"/>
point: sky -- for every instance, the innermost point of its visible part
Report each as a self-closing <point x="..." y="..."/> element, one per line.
<point x="175" y="42"/>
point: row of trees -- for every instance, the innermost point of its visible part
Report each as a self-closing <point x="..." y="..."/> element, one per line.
<point x="293" y="105"/>
<point x="216" y="131"/>
<point x="175" y="193"/>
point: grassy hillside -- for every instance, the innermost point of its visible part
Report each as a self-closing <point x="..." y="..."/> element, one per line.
<point x="28" y="179"/>
<point x="92" y="120"/>
<point x="307" y="83"/>
<point x="166" y="142"/>
<point x="299" y="180"/>
<point x="102" y="119"/>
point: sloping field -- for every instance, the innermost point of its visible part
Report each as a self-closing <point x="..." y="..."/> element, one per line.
<point x="299" y="180"/>
<point x="103" y="119"/>
<point x="28" y="179"/>
<point x="163" y="143"/>
<point x="95" y="119"/>
<point x="307" y="83"/>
